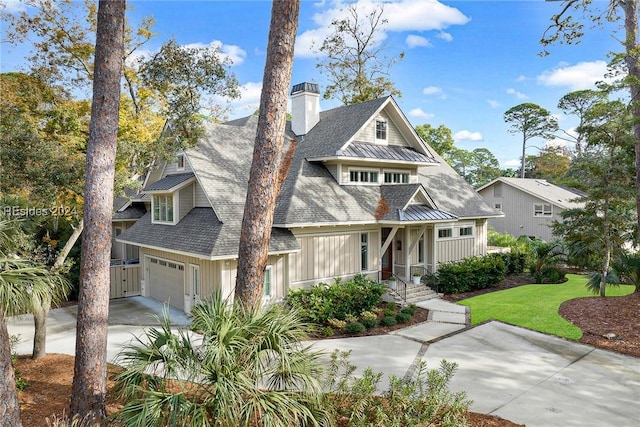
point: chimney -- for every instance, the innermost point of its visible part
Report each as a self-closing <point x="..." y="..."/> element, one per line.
<point x="305" y="107"/>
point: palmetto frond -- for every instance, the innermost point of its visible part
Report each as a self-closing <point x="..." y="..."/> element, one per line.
<point x="245" y="366"/>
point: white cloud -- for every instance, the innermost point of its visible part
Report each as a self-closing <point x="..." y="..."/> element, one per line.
<point x="513" y="163"/>
<point x="249" y="100"/>
<point x="582" y="75"/>
<point x="235" y="53"/>
<point x="521" y="78"/>
<point x="443" y="35"/>
<point x="417" y="41"/>
<point x="12" y="6"/>
<point x="404" y="15"/>
<point x="431" y="90"/>
<point x="419" y="113"/>
<point x="465" y="135"/>
<point x="493" y="103"/>
<point x="517" y="94"/>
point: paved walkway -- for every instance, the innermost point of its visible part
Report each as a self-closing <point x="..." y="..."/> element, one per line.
<point x="521" y="375"/>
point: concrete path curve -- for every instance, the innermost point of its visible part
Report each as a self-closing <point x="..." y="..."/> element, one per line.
<point x="524" y="376"/>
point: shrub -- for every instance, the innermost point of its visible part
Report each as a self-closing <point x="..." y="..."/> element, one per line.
<point x="337" y="324"/>
<point x="369" y="322"/>
<point x="392" y="306"/>
<point x="419" y="400"/>
<point x="403" y="317"/>
<point x="350" y="318"/>
<point x="324" y="302"/>
<point x="472" y="273"/>
<point x="388" y="321"/>
<point x="411" y="310"/>
<point x="327" y="331"/>
<point x="550" y="275"/>
<point x="368" y="315"/>
<point x="515" y="262"/>
<point x="388" y="312"/>
<point x="355" y="328"/>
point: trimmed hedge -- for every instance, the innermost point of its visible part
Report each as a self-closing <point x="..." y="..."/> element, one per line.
<point x="324" y="302"/>
<point x="472" y="273"/>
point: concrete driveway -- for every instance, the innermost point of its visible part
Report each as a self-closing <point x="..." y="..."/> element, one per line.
<point x="521" y="375"/>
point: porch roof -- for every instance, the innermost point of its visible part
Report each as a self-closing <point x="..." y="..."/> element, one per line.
<point x="424" y="213"/>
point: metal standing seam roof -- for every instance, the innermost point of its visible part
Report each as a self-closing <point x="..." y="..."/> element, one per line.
<point x="424" y="213"/>
<point x="385" y="152"/>
<point x="169" y="182"/>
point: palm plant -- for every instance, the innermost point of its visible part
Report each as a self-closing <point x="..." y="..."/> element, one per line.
<point x="546" y="257"/>
<point x="245" y="367"/>
<point x="627" y="267"/>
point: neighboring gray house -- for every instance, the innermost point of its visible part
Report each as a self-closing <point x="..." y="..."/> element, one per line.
<point x="529" y="205"/>
<point x="364" y="194"/>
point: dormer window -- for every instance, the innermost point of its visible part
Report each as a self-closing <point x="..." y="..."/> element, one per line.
<point x="163" y="208"/>
<point x="381" y="130"/>
<point x="363" y="176"/>
<point x="396" y="177"/>
<point x="180" y="162"/>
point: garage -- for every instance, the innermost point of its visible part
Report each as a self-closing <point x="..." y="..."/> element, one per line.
<point x="166" y="281"/>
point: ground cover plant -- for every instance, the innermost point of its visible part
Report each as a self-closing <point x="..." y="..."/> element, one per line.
<point x="535" y="306"/>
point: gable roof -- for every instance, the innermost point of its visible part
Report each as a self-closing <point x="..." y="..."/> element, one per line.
<point x="542" y="189"/>
<point x="310" y="195"/>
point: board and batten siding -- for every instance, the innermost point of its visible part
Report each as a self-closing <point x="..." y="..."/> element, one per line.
<point x="328" y="255"/>
<point x="456" y="247"/>
<point x="518" y="208"/>
<point x="200" y="197"/>
<point x="368" y="134"/>
<point x="185" y="200"/>
<point x="172" y="168"/>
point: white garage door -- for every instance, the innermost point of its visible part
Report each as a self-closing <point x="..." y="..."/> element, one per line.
<point x="166" y="282"/>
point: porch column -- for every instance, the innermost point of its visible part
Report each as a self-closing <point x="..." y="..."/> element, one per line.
<point x="407" y="254"/>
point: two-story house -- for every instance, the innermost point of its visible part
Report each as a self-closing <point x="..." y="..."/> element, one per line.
<point x="364" y="194"/>
<point x="529" y="205"/>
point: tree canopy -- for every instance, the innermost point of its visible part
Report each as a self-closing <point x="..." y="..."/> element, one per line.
<point x="353" y="57"/>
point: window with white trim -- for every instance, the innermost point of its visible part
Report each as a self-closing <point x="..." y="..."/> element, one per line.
<point x="421" y="250"/>
<point x="363" y="176"/>
<point x="266" y="286"/>
<point x="163" y="208"/>
<point x="466" y="231"/>
<point x="364" y="251"/>
<point x="381" y="130"/>
<point x="180" y="162"/>
<point x="393" y="177"/>
<point x="498" y="206"/>
<point x="445" y="233"/>
<point x="542" y="209"/>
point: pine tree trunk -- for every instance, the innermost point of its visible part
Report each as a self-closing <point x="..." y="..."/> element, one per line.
<point x="630" y="8"/>
<point x="9" y="406"/>
<point x="268" y="153"/>
<point x="90" y="370"/>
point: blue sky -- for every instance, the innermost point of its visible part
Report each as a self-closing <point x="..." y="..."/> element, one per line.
<point x="465" y="63"/>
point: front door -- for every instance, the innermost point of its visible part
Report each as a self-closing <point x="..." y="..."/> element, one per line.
<point x="387" y="257"/>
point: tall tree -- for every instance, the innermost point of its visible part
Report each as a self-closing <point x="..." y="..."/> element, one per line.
<point x="353" y="57"/>
<point x="578" y="103"/>
<point x="440" y="138"/>
<point x="551" y="163"/>
<point x="168" y="86"/>
<point x="565" y="28"/>
<point x="90" y="373"/>
<point x="267" y="167"/>
<point x="605" y="223"/>
<point x="532" y="121"/>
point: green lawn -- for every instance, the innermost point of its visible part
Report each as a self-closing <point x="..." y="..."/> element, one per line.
<point x="535" y="306"/>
